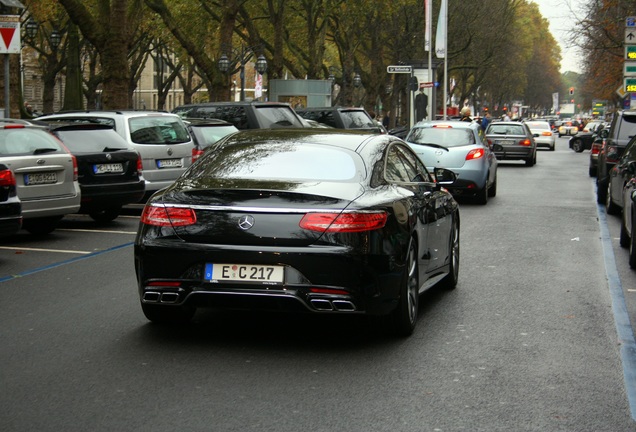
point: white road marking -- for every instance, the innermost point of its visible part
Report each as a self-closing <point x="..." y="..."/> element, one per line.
<point x="16" y="248"/>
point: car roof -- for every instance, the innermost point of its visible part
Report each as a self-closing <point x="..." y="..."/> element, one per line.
<point x="235" y="103"/>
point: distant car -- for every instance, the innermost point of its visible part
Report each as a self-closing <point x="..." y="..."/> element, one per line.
<point x="320" y="221"/>
<point x="45" y="173"/>
<point x="109" y="171"/>
<point x="597" y="145"/>
<point x="10" y="205"/>
<point x="514" y="141"/>
<point x="459" y="147"/>
<point x="206" y="132"/>
<point x="542" y="133"/>
<point x="621" y="130"/>
<point x="342" y="118"/>
<point x="161" y="139"/>
<point x="569" y="127"/>
<point x="624" y="176"/>
<point x="245" y="115"/>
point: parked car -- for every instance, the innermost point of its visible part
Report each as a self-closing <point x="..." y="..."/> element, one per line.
<point x="45" y="174"/>
<point x="569" y="127"/>
<point x="10" y="205"/>
<point x="584" y="140"/>
<point x="597" y="145"/>
<point x="542" y="133"/>
<point x="624" y="175"/>
<point x="514" y="141"/>
<point x="460" y="147"/>
<point x="621" y="130"/>
<point x="245" y="115"/>
<point x="322" y="221"/>
<point x="342" y="118"/>
<point x="206" y="132"/>
<point x="109" y="172"/>
<point x="161" y="139"/>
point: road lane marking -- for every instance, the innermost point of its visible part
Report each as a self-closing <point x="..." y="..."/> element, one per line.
<point x="61" y="263"/>
<point x="18" y="248"/>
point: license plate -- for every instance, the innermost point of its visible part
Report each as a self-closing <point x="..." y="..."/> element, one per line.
<point x="40" y="178"/>
<point x="504" y="142"/>
<point x="244" y="273"/>
<point x="108" y="168"/>
<point x="169" y="163"/>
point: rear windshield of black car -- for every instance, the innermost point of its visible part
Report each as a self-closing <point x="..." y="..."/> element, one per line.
<point x="23" y="141"/>
<point x="276" y="117"/>
<point x="282" y="161"/>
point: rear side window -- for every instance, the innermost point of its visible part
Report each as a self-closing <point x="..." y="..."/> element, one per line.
<point x="27" y="142"/>
<point x="627" y="127"/>
<point x="158" y="130"/>
<point x="277" y="117"/>
<point x="324" y="117"/>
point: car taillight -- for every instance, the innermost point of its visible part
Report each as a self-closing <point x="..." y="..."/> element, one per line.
<point x="75" y="170"/>
<point x="344" y="222"/>
<point x="475" y="154"/>
<point x="140" y="164"/>
<point x="168" y="216"/>
<point x="546" y="133"/>
<point x="7" y="178"/>
<point x="596" y="148"/>
<point x="196" y="153"/>
<point x="525" y="142"/>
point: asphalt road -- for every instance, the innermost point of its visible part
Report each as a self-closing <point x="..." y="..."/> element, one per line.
<point x="527" y="342"/>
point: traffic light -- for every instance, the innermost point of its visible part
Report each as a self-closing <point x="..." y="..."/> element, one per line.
<point x="571" y="91"/>
<point x="413" y="83"/>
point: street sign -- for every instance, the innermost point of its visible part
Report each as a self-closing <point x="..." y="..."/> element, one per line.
<point x="427" y="84"/>
<point x="630" y="52"/>
<point x="629" y="85"/>
<point x="10" y="34"/>
<point x="399" y="69"/>
<point x="621" y="92"/>
<point x="629" y="68"/>
<point x="630" y="21"/>
<point x="630" y="36"/>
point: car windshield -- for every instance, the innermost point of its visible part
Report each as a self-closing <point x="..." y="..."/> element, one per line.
<point x="27" y="141"/>
<point x="158" y="130"/>
<point x="443" y="136"/>
<point x="506" y="129"/>
<point x="284" y="162"/>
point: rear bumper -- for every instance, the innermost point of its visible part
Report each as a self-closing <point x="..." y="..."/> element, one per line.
<point x="111" y="195"/>
<point x="516" y="153"/>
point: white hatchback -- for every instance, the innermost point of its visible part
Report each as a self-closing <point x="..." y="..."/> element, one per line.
<point x="161" y="139"/>
<point x="542" y="133"/>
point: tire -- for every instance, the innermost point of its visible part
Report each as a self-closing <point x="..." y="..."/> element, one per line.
<point x="404" y="317"/>
<point x="577" y="145"/>
<point x="41" y="226"/>
<point x="492" y="190"/>
<point x="610" y="207"/>
<point x="532" y="160"/>
<point x="632" y="247"/>
<point x="174" y="315"/>
<point x="592" y="171"/>
<point x="482" y="196"/>
<point x="553" y="147"/>
<point x="624" y="237"/>
<point x="601" y="191"/>
<point x="105" y="215"/>
<point x="450" y="280"/>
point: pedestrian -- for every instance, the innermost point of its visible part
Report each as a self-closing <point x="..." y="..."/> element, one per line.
<point x="506" y="117"/>
<point x="465" y="113"/>
<point x="486" y="121"/>
<point x="28" y="108"/>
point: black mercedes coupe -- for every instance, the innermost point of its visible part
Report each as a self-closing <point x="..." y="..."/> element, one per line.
<point x="300" y="220"/>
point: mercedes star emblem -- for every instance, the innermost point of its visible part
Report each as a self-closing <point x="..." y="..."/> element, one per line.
<point x="246" y="222"/>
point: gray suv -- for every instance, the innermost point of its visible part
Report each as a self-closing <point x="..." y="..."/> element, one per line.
<point x="161" y="139"/>
<point x="621" y="130"/>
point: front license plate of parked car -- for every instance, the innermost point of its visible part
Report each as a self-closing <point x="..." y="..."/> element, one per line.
<point x="244" y="273"/>
<point x="169" y="163"/>
<point x="108" y="168"/>
<point x="40" y="178"/>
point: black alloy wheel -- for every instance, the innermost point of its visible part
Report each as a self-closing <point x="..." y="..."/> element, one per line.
<point x="404" y="317"/>
<point x="577" y="145"/>
<point x="610" y="207"/>
<point x="450" y="280"/>
<point x="492" y="190"/>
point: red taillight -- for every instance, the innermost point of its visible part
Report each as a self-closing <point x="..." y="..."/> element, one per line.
<point x="596" y="148"/>
<point x="443" y="126"/>
<point x="196" y="153"/>
<point x="525" y="142"/>
<point x="328" y="291"/>
<point x="75" y="171"/>
<point x="13" y="126"/>
<point x="546" y="133"/>
<point x="140" y="164"/>
<point x="475" y="154"/>
<point x="165" y="283"/>
<point x="7" y="178"/>
<point x="168" y="216"/>
<point x="344" y="222"/>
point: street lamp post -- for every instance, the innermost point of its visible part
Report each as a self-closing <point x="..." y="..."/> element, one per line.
<point x="242" y="56"/>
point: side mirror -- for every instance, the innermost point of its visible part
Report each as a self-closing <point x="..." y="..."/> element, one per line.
<point x="631" y="167"/>
<point x="604" y="133"/>
<point x="444" y="176"/>
<point x="497" y="147"/>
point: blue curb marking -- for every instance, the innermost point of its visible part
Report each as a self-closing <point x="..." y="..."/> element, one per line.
<point x="61" y="263"/>
<point x="621" y="317"/>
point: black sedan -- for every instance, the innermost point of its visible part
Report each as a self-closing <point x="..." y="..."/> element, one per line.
<point x="10" y="205"/>
<point x="109" y="172"/>
<point x="323" y="221"/>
